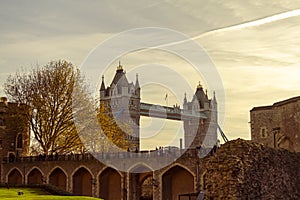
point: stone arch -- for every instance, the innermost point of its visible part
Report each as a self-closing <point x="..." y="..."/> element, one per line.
<point x="35" y="176"/>
<point x="141" y="182"/>
<point x="14" y="177"/>
<point x="140" y="168"/>
<point x="58" y="178"/>
<point x="179" y="165"/>
<point x="147" y="187"/>
<point x="82" y="181"/>
<point x="176" y="180"/>
<point x="110" y="181"/>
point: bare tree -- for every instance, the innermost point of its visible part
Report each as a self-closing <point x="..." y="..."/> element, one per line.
<point x="47" y="91"/>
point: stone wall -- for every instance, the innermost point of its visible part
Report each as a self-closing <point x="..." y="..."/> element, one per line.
<point x="245" y="170"/>
<point x="277" y="125"/>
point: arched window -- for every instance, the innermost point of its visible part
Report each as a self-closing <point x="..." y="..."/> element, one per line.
<point x="19" y="141"/>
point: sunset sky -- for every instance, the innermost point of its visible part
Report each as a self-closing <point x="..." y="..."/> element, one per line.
<point x="254" y="45"/>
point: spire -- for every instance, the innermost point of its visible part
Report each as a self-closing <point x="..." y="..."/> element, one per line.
<point x="184" y="100"/>
<point x="199" y="86"/>
<point x="214" y="98"/>
<point x="137" y="84"/>
<point x="102" y="88"/>
<point x="120" y="67"/>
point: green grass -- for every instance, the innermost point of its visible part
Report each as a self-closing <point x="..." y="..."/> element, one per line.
<point x="34" y="194"/>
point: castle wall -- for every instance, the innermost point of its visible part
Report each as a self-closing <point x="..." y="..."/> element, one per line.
<point x="187" y="167"/>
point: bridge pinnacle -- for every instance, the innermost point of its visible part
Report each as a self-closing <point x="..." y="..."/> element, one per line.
<point x="199" y="86"/>
<point x="120" y="67"/>
<point x="214" y="96"/>
<point x="102" y="88"/>
<point x="137" y="84"/>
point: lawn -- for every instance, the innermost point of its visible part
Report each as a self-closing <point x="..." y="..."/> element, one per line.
<point x="35" y="194"/>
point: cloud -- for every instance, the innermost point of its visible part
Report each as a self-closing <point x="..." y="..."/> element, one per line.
<point x="259" y="65"/>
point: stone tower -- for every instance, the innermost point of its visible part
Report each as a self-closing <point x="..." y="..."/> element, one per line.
<point x="201" y="132"/>
<point x="14" y="132"/>
<point x="123" y="100"/>
<point x="277" y="125"/>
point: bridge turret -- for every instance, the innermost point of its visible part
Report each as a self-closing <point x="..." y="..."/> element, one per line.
<point x="200" y="132"/>
<point x="123" y="96"/>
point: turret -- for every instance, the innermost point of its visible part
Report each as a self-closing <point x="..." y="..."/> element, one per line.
<point x="102" y="88"/>
<point x="137" y="86"/>
<point x="185" y="103"/>
<point x="202" y="132"/>
<point x="201" y="97"/>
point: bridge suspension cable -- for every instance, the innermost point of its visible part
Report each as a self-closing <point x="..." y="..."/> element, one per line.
<point x="222" y="134"/>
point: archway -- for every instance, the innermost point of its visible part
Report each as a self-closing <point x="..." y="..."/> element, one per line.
<point x="141" y="183"/>
<point x="110" y="184"/>
<point x="35" y="177"/>
<point x="82" y="182"/>
<point x="147" y="188"/>
<point x="175" y="181"/>
<point x="14" y="177"/>
<point x="58" y="178"/>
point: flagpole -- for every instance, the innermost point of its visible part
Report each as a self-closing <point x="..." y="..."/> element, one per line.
<point x="166" y="98"/>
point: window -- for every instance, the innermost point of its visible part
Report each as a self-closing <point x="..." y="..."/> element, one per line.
<point x="131" y="102"/>
<point x="263" y="132"/>
<point x="19" y="141"/>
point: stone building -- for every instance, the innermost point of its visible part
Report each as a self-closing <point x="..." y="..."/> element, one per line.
<point x="277" y="125"/>
<point x="14" y="132"/>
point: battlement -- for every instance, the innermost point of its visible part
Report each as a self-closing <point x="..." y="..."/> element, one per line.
<point x="163" y="153"/>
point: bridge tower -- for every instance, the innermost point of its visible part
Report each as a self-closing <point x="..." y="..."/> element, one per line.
<point x="199" y="132"/>
<point x="123" y="100"/>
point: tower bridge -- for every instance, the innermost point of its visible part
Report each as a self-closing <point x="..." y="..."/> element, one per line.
<point x="199" y="116"/>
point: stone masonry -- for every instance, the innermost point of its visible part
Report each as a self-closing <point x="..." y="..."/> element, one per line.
<point x="246" y="170"/>
<point x="277" y="125"/>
